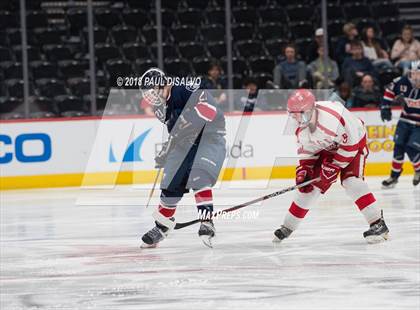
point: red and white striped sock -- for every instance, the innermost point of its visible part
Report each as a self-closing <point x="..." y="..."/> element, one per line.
<point x="299" y="208"/>
<point x="359" y="191"/>
<point x="416" y="166"/>
<point x="397" y="165"/>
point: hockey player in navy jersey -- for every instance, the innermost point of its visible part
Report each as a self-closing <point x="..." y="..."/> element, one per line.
<point x="404" y="90"/>
<point x="193" y="155"/>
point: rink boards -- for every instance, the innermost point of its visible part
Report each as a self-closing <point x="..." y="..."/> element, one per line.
<point x="121" y="150"/>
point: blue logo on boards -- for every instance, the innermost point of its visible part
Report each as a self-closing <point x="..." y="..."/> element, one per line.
<point x="19" y="151"/>
<point x="133" y="151"/>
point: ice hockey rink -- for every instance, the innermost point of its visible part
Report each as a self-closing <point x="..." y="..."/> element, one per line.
<point x="79" y="249"/>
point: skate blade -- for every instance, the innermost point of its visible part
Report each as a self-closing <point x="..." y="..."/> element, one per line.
<point x="148" y="246"/>
<point x="389" y="186"/>
<point x="377" y="239"/>
<point x="207" y="241"/>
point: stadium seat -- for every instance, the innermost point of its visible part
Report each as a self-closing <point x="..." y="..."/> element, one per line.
<point x="70" y="106"/>
<point x="335" y="27"/>
<point x="262" y="79"/>
<point x="237" y="81"/>
<point x="367" y="22"/>
<point x="10" y="105"/>
<point x="149" y="34"/>
<point x="201" y="5"/>
<point x="247" y="48"/>
<point x="145" y="5"/>
<point x="213" y="32"/>
<point x="5" y="54"/>
<point x="48" y="35"/>
<point x="356" y="10"/>
<point x="103" y="52"/>
<point x="14" y="88"/>
<point x="12" y="70"/>
<point x="134" y="50"/>
<point x="261" y="64"/>
<point x="169" y="18"/>
<point x="36" y="19"/>
<point x="302" y="29"/>
<point x="390" y="25"/>
<point x="246" y="15"/>
<point x="275" y="47"/>
<point x="143" y="64"/>
<point x="79" y="86"/>
<point x="43" y="69"/>
<point x="216" y="16"/>
<point x="271" y="30"/>
<point x="190" y="16"/>
<point x="44" y="104"/>
<point x="101" y="101"/>
<point x="385" y="9"/>
<point x="50" y="87"/>
<point x="77" y="19"/>
<point x="189" y="50"/>
<point x="217" y="49"/>
<point x="9" y="20"/>
<point x="273" y="14"/>
<point x="14" y="35"/>
<point x="201" y="65"/>
<point x="300" y="12"/>
<point x="100" y="34"/>
<point x="32" y="52"/>
<point x="178" y="67"/>
<point x="73" y="68"/>
<point x="57" y="52"/>
<point x="106" y="17"/>
<point x="334" y="11"/>
<point x="122" y="34"/>
<point x="242" y="31"/>
<point x="118" y="68"/>
<point x="42" y="114"/>
<point x="169" y="50"/>
<point x="302" y="45"/>
<point x="135" y="17"/>
<point x="184" y="33"/>
<point x="239" y="65"/>
<point x="169" y="4"/>
<point x="4" y="40"/>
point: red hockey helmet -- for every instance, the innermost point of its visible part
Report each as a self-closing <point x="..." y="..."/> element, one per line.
<point x="300" y="105"/>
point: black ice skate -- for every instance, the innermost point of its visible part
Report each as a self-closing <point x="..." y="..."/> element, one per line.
<point x="389" y="183"/>
<point x="155" y="235"/>
<point x="282" y="233"/>
<point x="416" y="179"/>
<point x="207" y="232"/>
<point x="378" y="232"/>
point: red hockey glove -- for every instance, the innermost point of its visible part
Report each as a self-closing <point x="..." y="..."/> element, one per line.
<point x="329" y="174"/>
<point x="303" y="174"/>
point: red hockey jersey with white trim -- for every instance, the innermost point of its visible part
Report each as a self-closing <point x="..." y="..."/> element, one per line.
<point x="336" y="130"/>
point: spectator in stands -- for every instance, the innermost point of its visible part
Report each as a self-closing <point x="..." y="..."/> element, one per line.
<point x="374" y="50"/>
<point x="357" y="65"/>
<point x="317" y="69"/>
<point x="343" y="44"/>
<point x="312" y="52"/>
<point x="342" y="93"/>
<point x="405" y="49"/>
<point x="214" y="82"/>
<point x="250" y="101"/>
<point x="290" y="73"/>
<point x="367" y="94"/>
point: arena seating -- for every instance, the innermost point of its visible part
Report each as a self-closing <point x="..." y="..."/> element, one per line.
<point x="125" y="42"/>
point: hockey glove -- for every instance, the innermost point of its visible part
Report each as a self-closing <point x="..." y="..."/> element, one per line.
<point x="386" y="114"/>
<point x="303" y="174"/>
<point x="329" y="174"/>
<point x="160" y="158"/>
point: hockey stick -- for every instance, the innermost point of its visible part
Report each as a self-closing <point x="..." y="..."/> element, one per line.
<point x="153" y="188"/>
<point x="245" y="204"/>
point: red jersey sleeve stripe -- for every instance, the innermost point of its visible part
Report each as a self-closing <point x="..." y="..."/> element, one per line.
<point x="326" y="130"/>
<point x="332" y="112"/>
<point x="342" y="159"/>
<point x="206" y="111"/>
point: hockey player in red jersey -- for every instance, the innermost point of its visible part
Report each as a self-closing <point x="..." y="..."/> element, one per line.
<point x="331" y="141"/>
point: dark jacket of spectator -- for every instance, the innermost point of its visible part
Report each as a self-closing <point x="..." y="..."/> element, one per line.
<point x="367" y="94"/>
<point x="342" y="50"/>
<point x="357" y="65"/>
<point x="291" y="72"/>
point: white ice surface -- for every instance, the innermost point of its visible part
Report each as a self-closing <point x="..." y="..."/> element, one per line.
<point x="79" y="249"/>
